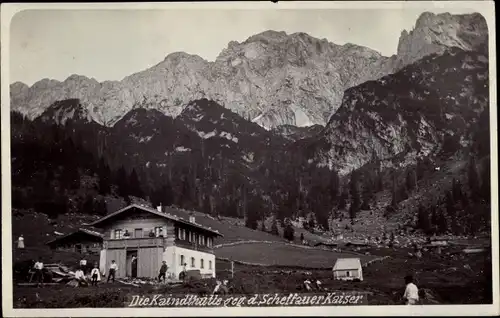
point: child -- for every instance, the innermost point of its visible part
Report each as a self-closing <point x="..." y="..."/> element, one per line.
<point x="112" y="270"/>
<point x="95" y="275"/>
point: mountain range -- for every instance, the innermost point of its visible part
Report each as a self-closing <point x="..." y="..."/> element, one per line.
<point x="272" y="78"/>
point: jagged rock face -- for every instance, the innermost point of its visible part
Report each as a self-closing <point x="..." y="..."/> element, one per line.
<point x="271" y="78"/>
<point x="435" y="33"/>
<point x="408" y="114"/>
<point x="62" y="111"/>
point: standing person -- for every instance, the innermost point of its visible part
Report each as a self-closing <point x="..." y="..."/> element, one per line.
<point x="95" y="275"/>
<point x="112" y="270"/>
<point x="163" y="271"/>
<point x="411" y="292"/>
<point x="39" y="271"/>
<point x="134" y="266"/>
<point x="20" y="242"/>
<point x="83" y="265"/>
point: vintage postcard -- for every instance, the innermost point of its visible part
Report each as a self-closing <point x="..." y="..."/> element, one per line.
<point x="249" y="159"/>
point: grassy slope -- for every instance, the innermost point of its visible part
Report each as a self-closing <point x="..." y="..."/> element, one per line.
<point x="279" y="254"/>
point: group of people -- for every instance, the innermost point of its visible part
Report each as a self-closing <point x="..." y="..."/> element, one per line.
<point x="83" y="279"/>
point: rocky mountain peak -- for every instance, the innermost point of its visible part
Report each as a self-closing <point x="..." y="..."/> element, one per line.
<point x="272" y="78"/>
<point x="434" y="33"/>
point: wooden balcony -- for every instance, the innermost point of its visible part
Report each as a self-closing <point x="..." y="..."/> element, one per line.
<point x="134" y="242"/>
<point x="193" y="246"/>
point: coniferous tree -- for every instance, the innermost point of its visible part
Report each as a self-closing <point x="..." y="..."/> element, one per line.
<point x="122" y="182"/>
<point x="251" y="221"/>
<point x="355" y="198"/>
<point x="104" y="174"/>
<point x="207" y="208"/>
<point x="442" y="224"/>
<point x="135" y="185"/>
<point x="410" y="180"/>
<point x="486" y="181"/>
<point x="88" y="205"/>
<point x="395" y="198"/>
<point x="289" y="232"/>
<point x="367" y="195"/>
<point x="423" y="219"/>
<point x="101" y="207"/>
<point x="473" y="179"/>
<point x="343" y="199"/>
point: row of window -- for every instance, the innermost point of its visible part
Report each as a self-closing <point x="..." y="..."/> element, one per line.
<point x="193" y="262"/>
<point x="139" y="233"/>
<point x="192" y="237"/>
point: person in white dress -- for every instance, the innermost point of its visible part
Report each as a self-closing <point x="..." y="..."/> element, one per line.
<point x="20" y="242"/>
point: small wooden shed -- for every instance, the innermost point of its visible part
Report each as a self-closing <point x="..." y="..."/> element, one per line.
<point x="348" y="269"/>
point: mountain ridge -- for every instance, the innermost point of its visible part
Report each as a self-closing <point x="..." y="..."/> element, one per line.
<point x="273" y="77"/>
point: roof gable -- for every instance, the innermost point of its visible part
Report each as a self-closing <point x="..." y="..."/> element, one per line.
<point x="347" y="263"/>
<point x="152" y="211"/>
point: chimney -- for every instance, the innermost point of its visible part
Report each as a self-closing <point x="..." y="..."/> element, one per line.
<point x="192" y="219"/>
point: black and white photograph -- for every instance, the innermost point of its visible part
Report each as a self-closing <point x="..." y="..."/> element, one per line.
<point x="249" y="158"/>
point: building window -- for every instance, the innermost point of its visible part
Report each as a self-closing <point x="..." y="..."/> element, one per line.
<point x="138" y="233"/>
<point x="181" y="234"/>
<point x="209" y="242"/>
<point x="182" y="260"/>
<point x="189" y="235"/>
<point x="200" y="240"/>
<point x="347" y="274"/>
<point x="118" y="234"/>
<point x="201" y="263"/>
<point x="193" y="262"/>
<point x="209" y="264"/>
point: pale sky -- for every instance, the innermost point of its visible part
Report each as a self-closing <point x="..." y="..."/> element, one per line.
<point x="111" y="44"/>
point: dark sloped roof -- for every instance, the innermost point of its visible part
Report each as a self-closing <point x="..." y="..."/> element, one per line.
<point x="80" y="230"/>
<point x="166" y="215"/>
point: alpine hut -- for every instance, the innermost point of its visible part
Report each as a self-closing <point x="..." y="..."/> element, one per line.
<point x="348" y="269"/>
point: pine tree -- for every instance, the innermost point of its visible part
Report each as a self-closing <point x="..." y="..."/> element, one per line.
<point x="88" y="205"/>
<point x="104" y="174"/>
<point x="395" y="198"/>
<point x="423" y="219"/>
<point x="122" y="182"/>
<point x="251" y="221"/>
<point x="367" y="195"/>
<point x="289" y="232"/>
<point x="473" y="179"/>
<point x="410" y="180"/>
<point x="355" y="199"/>
<point x="486" y="181"/>
<point x="442" y="224"/>
<point x="135" y="185"/>
<point x="207" y="209"/>
<point x="343" y="199"/>
<point x="101" y="207"/>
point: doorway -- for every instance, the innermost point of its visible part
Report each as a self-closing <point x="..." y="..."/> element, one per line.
<point x="132" y="264"/>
